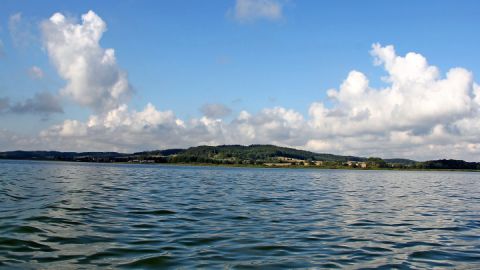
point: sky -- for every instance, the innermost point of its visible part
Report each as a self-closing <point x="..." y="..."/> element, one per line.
<point x="368" y="78"/>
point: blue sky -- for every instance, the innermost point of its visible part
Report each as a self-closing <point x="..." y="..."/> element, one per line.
<point x="181" y="55"/>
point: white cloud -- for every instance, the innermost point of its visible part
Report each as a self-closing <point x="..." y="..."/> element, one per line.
<point x="92" y="74"/>
<point x="420" y="113"/>
<point x="252" y="10"/>
<point x="119" y="129"/>
<point x="127" y="130"/>
<point x="35" y="72"/>
<point x="417" y="98"/>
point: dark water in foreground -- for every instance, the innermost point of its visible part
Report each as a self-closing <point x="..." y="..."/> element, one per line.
<point x="73" y="216"/>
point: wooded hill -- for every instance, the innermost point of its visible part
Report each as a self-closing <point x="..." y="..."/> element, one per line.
<point x="253" y="152"/>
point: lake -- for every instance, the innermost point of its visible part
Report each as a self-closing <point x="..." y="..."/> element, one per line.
<point x="82" y="215"/>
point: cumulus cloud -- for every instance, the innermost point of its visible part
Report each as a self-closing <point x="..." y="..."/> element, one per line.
<point x="93" y="77"/>
<point x="127" y="130"/>
<point x="119" y="129"/>
<point x="215" y="110"/>
<point x="35" y="72"/>
<point x="417" y="99"/>
<point x="252" y="10"/>
<point x="421" y="114"/>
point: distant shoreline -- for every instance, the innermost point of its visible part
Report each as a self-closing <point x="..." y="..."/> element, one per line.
<point x="255" y="155"/>
<point x="293" y="167"/>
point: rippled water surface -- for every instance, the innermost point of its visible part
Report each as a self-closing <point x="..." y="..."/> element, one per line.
<point x="74" y="216"/>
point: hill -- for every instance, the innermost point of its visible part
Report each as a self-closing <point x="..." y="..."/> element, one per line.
<point x="205" y="154"/>
<point x="256" y="152"/>
<point x="401" y="161"/>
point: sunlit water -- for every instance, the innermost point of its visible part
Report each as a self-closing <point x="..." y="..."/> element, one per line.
<point x="74" y="216"/>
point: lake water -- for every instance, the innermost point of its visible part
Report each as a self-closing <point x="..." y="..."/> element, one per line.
<point x="78" y="215"/>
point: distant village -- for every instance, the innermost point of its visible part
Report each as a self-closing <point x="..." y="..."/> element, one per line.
<point x="272" y="162"/>
<point x="286" y="161"/>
